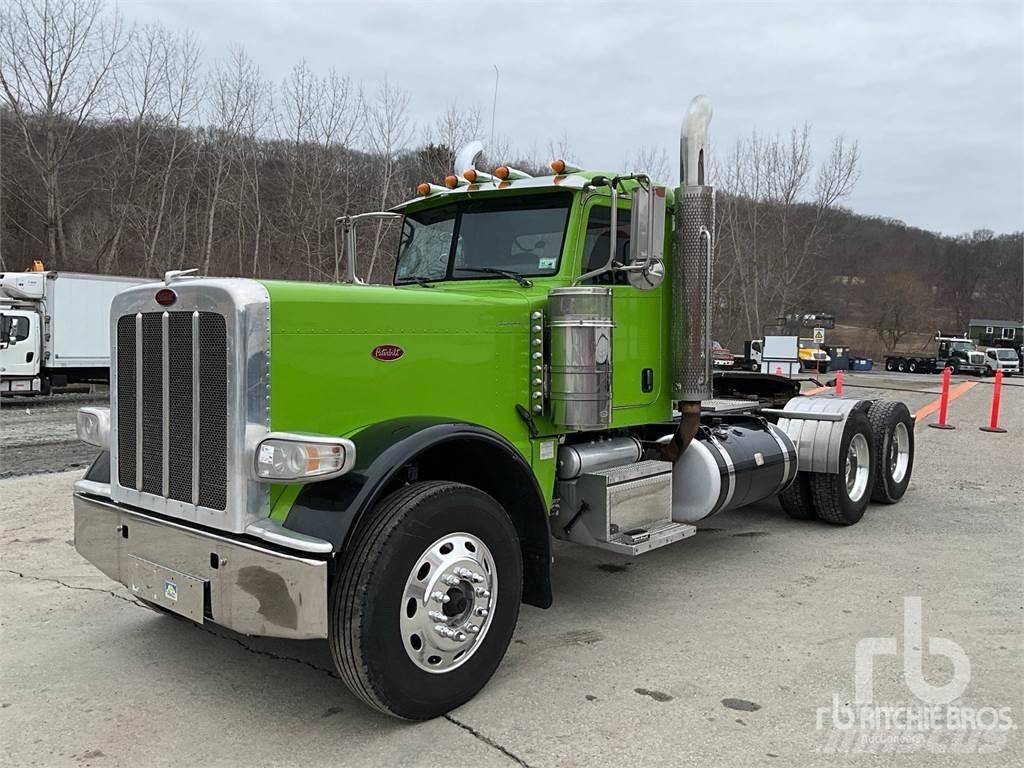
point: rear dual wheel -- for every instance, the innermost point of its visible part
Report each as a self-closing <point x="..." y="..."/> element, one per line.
<point x="426" y="599"/>
<point x="893" y="431"/>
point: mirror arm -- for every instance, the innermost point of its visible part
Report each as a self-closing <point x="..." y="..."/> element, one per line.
<point x="346" y="244"/>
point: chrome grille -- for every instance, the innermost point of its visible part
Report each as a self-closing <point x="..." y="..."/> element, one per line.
<point x="172" y="406"/>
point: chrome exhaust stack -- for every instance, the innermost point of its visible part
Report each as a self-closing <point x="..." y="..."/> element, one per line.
<point x="691" y="286"/>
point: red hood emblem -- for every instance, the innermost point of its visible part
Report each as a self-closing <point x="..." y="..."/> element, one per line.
<point x="387" y="353"/>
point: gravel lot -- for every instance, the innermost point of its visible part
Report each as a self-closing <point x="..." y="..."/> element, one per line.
<point x="718" y="650"/>
<point x="37" y="434"/>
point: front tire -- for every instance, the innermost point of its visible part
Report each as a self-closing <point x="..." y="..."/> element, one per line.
<point x="841" y="498"/>
<point x="426" y="599"/>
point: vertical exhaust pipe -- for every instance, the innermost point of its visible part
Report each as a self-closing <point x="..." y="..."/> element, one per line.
<point x="691" y="287"/>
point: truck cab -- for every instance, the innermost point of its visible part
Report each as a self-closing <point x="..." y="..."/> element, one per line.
<point x="1003" y="359"/>
<point x="960" y="354"/>
<point x="812" y="356"/>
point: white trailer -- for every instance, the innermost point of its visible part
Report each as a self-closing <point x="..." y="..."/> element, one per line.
<point x="54" y="328"/>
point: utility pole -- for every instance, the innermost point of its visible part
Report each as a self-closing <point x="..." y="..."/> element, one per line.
<point x="494" y="107"/>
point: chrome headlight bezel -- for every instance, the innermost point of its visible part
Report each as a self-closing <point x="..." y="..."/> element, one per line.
<point x="335" y="456"/>
<point x="93" y="427"/>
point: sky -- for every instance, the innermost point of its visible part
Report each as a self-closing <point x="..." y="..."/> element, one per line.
<point x="933" y="92"/>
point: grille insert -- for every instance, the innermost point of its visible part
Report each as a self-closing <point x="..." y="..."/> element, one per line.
<point x="172" y="406"/>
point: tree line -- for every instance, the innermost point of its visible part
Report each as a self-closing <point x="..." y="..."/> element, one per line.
<point x="122" y="150"/>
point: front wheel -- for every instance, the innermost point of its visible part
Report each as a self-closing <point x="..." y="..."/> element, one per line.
<point x="426" y="599"/>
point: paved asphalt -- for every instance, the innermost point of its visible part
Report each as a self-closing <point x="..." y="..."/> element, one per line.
<point x="723" y="649"/>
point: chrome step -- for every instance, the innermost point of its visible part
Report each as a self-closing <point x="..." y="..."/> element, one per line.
<point x="638" y="541"/>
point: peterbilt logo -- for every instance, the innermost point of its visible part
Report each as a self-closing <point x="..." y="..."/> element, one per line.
<point x="387" y="353"/>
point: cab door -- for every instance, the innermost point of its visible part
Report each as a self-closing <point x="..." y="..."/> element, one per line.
<point x="639" y="369"/>
<point x="19" y="356"/>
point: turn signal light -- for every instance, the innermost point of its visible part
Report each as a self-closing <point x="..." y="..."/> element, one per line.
<point x="296" y="458"/>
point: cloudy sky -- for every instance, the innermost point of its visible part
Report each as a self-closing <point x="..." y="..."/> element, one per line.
<point x="932" y="91"/>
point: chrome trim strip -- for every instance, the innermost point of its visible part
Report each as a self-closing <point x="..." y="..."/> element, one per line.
<point x="195" y="408"/>
<point x="138" y="401"/>
<point x="275" y="533"/>
<point x="165" y="383"/>
<point x="730" y="467"/>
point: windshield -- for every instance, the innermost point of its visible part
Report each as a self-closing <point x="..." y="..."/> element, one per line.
<point x="1006" y="354"/>
<point x="963" y="346"/>
<point x="523" y="235"/>
<point x="807" y="344"/>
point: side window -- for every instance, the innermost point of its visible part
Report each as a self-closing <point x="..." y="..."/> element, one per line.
<point x="20" y="328"/>
<point x="598" y="240"/>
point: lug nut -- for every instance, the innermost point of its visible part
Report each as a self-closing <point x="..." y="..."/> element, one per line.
<point x="437" y="616"/>
<point x="482" y="612"/>
<point x="451" y="581"/>
<point x="472" y="629"/>
<point x="477" y="578"/>
<point x="439" y="597"/>
<point x="481" y="592"/>
<point x="459" y="637"/>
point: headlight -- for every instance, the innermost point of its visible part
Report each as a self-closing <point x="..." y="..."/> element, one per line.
<point x="93" y="426"/>
<point x="297" y="458"/>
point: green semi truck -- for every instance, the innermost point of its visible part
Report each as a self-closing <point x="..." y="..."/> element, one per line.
<point x="384" y="467"/>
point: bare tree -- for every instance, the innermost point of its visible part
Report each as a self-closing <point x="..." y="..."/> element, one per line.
<point x="451" y="131"/>
<point x="898" y="302"/>
<point x="55" y="60"/>
<point x="651" y="160"/>
<point x="388" y="132"/>
<point x="180" y="93"/>
<point x="775" y="211"/>
<point x="231" y="86"/>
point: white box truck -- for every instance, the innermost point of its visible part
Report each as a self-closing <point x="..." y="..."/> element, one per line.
<point x="54" y="328"/>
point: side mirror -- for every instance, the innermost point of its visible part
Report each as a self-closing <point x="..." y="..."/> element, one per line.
<point x="647" y="237"/>
<point x="345" y="243"/>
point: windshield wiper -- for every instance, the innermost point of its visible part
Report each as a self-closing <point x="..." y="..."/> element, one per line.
<point x="503" y="272"/>
<point x="424" y="282"/>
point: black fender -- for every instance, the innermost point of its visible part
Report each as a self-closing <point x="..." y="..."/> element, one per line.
<point x="393" y="452"/>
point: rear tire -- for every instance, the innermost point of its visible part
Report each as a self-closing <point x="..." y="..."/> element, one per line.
<point x="901" y="366"/>
<point x="893" y="449"/>
<point x="841" y="498"/>
<point x="797" y="500"/>
<point x="424" y="540"/>
<point x="890" y="365"/>
<point x="912" y="366"/>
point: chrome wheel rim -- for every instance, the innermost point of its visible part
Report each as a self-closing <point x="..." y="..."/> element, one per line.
<point x="899" y="453"/>
<point x="857" y="467"/>
<point x="448" y="603"/>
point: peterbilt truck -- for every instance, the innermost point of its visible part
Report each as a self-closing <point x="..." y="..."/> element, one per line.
<point x="54" y="328"/>
<point x="385" y="466"/>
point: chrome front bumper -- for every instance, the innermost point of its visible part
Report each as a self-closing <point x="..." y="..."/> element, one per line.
<point x="200" y="575"/>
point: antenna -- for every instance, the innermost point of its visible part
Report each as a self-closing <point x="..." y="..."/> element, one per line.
<point x="494" y="105"/>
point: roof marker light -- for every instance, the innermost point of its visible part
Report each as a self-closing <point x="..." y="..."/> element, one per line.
<point x="561" y="166"/>
<point x="473" y="176"/>
<point x="425" y="189"/>
<point x="508" y="173"/>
